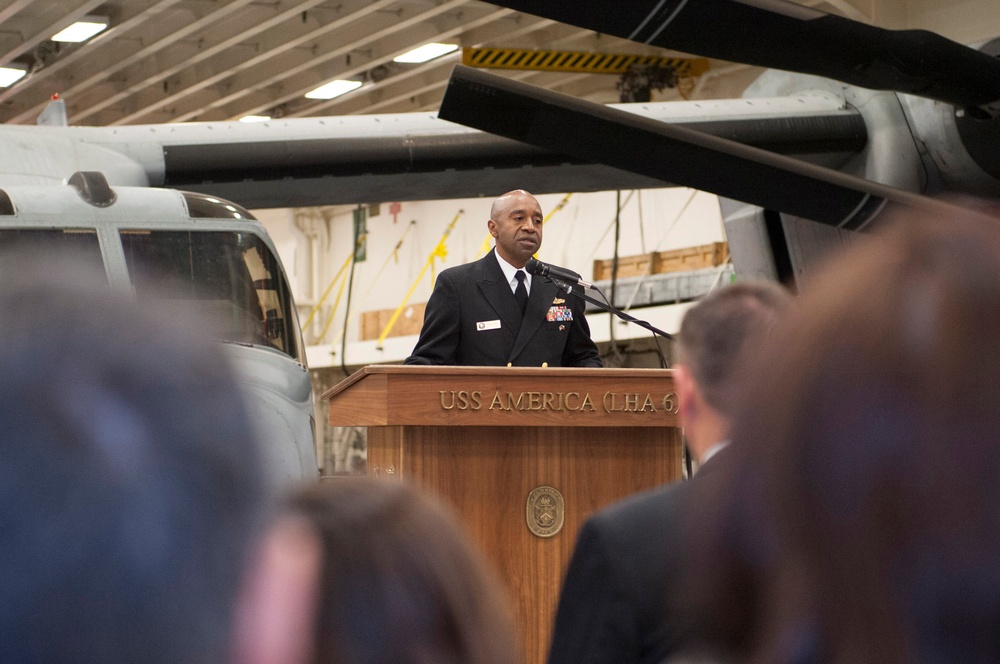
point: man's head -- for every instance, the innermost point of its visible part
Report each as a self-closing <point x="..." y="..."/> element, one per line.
<point x="131" y="484"/>
<point x="716" y="337"/>
<point x="516" y="223"/>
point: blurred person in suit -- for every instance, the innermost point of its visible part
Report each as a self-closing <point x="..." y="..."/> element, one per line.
<point x="628" y="563"/>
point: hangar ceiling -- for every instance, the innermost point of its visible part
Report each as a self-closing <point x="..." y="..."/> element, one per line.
<point x="211" y="60"/>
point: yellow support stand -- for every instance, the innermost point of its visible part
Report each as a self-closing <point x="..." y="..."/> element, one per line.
<point x="440" y="251"/>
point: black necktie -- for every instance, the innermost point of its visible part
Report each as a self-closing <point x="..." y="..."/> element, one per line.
<point x="521" y="292"/>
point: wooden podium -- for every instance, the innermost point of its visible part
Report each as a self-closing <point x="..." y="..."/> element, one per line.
<point x="524" y="454"/>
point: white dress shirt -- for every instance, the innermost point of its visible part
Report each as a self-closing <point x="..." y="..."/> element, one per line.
<point x="509" y="271"/>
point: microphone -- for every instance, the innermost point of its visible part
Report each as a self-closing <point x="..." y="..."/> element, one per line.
<point x="540" y="269"/>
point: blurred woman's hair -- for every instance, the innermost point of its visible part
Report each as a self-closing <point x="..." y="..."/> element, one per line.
<point x="401" y="582"/>
<point x="860" y="519"/>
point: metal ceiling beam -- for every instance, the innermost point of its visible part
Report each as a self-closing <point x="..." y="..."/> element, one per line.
<point x="163" y="33"/>
<point x="270" y="45"/>
<point x="247" y="92"/>
<point x="394" y="94"/>
<point x="39" y="84"/>
<point x="10" y="9"/>
<point x="173" y="60"/>
<point x="389" y="96"/>
<point x="387" y="48"/>
<point x="26" y="30"/>
<point x="241" y="29"/>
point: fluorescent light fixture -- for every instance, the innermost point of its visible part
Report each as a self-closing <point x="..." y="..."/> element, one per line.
<point x="81" y="31"/>
<point x="255" y="118"/>
<point x="333" y="89"/>
<point x="10" y="75"/>
<point x="425" y="53"/>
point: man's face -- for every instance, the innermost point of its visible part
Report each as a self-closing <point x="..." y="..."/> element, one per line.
<point x="517" y="227"/>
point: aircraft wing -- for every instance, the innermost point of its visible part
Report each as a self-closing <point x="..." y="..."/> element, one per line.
<point x="377" y="158"/>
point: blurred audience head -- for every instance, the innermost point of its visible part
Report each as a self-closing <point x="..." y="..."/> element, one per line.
<point x="400" y="581"/>
<point x="131" y="484"/>
<point x="717" y="336"/>
<point x="869" y="451"/>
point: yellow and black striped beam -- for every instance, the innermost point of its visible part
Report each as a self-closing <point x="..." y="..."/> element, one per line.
<point x="575" y="61"/>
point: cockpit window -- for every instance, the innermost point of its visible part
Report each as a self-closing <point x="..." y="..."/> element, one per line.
<point x="6" y="205"/>
<point x="56" y="245"/>
<point x="229" y="278"/>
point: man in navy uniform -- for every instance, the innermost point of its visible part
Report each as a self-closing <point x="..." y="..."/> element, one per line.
<point x="491" y="312"/>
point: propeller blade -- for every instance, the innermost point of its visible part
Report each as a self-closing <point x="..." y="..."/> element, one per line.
<point x="670" y="153"/>
<point x="783" y="35"/>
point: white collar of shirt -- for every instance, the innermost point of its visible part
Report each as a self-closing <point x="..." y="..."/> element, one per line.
<point x="712" y="451"/>
<point x="509" y="271"/>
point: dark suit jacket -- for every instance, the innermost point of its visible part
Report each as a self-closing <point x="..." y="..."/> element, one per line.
<point x="618" y="599"/>
<point x="472" y="319"/>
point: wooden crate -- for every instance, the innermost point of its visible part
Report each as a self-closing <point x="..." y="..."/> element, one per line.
<point x="675" y="260"/>
<point x="693" y="258"/>
<point x="410" y="320"/>
<point x="628" y="266"/>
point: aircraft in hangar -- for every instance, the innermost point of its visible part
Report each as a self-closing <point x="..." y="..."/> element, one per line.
<point x="154" y="204"/>
<point x="149" y="202"/>
<point x="149" y="205"/>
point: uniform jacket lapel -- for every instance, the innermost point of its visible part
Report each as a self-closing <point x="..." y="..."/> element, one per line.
<point x="497" y="292"/>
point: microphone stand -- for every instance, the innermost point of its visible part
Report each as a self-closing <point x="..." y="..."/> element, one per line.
<point x="573" y="288"/>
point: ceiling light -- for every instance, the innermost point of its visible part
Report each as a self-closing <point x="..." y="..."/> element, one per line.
<point x="81" y="31"/>
<point x="255" y="118"/>
<point x="333" y="89"/>
<point x="10" y="75"/>
<point x="425" y="53"/>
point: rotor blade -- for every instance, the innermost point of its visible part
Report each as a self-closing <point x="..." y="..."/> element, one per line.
<point x="670" y="153"/>
<point x="783" y="35"/>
